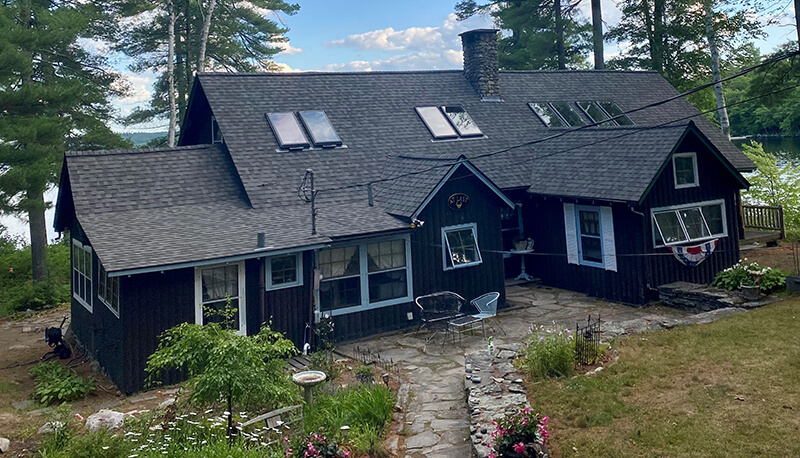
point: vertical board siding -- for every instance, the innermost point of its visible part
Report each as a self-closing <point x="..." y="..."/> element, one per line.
<point x="152" y="303"/>
<point x="715" y="183"/>
<point x="544" y="220"/>
<point x="99" y="331"/>
<point x="287" y="308"/>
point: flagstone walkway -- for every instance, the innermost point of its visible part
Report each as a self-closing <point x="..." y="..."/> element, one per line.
<point x="436" y="417"/>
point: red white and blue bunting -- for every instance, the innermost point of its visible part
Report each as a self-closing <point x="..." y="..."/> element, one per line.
<point x="693" y="255"/>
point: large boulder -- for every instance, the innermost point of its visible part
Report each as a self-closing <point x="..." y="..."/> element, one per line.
<point x="108" y="419"/>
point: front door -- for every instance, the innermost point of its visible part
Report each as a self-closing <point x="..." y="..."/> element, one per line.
<point x="214" y="285"/>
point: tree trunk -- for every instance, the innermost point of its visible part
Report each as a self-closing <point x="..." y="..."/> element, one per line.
<point x="38" y="229"/>
<point x="230" y="419"/>
<point x="559" y="21"/>
<point x="597" y="35"/>
<point x="647" y="18"/>
<point x="201" y="59"/>
<point x="797" y="19"/>
<point x="658" y="36"/>
<point x="173" y="114"/>
<point x="724" y="124"/>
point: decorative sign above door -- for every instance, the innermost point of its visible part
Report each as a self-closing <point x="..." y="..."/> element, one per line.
<point x="458" y="201"/>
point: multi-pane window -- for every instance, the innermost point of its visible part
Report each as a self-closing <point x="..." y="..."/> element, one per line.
<point x="386" y="263"/>
<point x="590" y="244"/>
<point x="340" y="286"/>
<point x="82" y="273"/>
<point x="596" y="114"/>
<point x="568" y="114"/>
<point x="691" y="223"/>
<point x="685" y="169"/>
<point x="547" y="114"/>
<point x="108" y="290"/>
<point x="448" y="122"/>
<point x="460" y="246"/>
<point x="284" y="271"/>
<point x="218" y="285"/>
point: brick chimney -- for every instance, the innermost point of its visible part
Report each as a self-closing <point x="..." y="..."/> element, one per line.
<point x="480" y="62"/>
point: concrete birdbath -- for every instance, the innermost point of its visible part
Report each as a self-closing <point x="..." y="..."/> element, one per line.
<point x="308" y="379"/>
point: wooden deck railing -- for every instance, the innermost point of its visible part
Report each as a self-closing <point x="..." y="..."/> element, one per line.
<point x="764" y="217"/>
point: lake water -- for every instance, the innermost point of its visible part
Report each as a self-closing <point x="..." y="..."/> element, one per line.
<point x="785" y="148"/>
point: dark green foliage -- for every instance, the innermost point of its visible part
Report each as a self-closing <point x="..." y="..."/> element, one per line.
<point x="365" y="374"/>
<point x="531" y="45"/>
<point x="242" y="38"/>
<point x="316" y="445"/>
<point x="751" y="274"/>
<point x="19" y="291"/>
<point x="549" y="353"/>
<point x="57" y="383"/>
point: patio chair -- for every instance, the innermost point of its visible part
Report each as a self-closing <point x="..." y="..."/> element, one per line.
<point x="487" y="308"/>
<point x="436" y="309"/>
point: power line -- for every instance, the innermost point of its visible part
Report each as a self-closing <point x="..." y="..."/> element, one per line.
<point x="632" y="131"/>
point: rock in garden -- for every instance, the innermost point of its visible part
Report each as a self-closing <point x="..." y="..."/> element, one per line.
<point x="468" y="368"/>
<point x="108" y="419"/>
<point x="166" y="403"/>
<point x="22" y="405"/>
<point x="50" y="427"/>
<point x="5" y="444"/>
<point x="476" y="379"/>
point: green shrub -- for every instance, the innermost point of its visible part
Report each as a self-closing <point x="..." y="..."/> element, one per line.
<point x="324" y="361"/>
<point x="363" y="406"/>
<point x="16" y="277"/>
<point x="55" y="383"/>
<point x="520" y="434"/>
<point x="368" y="440"/>
<point x="549" y="353"/>
<point x="316" y="445"/>
<point x="751" y="274"/>
<point x="364" y="374"/>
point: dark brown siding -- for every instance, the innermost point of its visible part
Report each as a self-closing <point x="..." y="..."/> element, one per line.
<point x="196" y="128"/>
<point x="544" y="220"/>
<point x="151" y="303"/>
<point x="99" y="331"/>
<point x="715" y="183"/>
<point x="287" y="308"/>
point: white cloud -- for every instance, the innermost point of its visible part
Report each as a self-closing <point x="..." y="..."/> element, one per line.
<point x="138" y="88"/>
<point x="287" y="48"/>
<point x="446" y="59"/>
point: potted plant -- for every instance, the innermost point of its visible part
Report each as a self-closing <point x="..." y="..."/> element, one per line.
<point x="750" y="287"/>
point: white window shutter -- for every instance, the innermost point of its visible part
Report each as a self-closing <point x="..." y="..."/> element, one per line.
<point x="571" y="231"/>
<point x="609" y="246"/>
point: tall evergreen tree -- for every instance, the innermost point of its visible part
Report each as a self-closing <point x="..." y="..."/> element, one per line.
<point x="53" y="96"/>
<point x="544" y="34"/>
<point x="240" y="37"/>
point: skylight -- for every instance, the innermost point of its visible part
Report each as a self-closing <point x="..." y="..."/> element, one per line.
<point x="462" y="121"/>
<point x="317" y="124"/>
<point x="436" y="122"/>
<point x="547" y="114"/>
<point x="595" y="113"/>
<point x="568" y="114"/>
<point x="287" y="130"/>
<point x="613" y="110"/>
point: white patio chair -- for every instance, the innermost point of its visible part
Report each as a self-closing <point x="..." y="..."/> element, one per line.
<point x="487" y="308"/>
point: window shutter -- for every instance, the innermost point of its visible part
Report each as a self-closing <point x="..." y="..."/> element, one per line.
<point x="609" y="247"/>
<point x="571" y="231"/>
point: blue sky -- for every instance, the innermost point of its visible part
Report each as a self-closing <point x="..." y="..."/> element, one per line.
<point x="359" y="35"/>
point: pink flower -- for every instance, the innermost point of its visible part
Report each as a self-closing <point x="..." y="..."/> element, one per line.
<point x="545" y="419"/>
<point x="519" y="448"/>
<point x="346" y="453"/>
<point x="491" y="455"/>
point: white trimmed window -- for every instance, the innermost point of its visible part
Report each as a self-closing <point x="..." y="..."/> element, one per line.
<point x="460" y="246"/>
<point x="369" y="275"/>
<point x="684" y="167"/>
<point x="284" y="271"/>
<point x="108" y="290"/>
<point x="589" y="234"/>
<point x="82" y="274"/>
<point x="214" y="285"/>
<point x="689" y="223"/>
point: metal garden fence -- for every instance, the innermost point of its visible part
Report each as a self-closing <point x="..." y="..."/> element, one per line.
<point x="587" y="341"/>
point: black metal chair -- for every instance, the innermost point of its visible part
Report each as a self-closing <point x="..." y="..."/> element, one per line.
<point x="435" y="310"/>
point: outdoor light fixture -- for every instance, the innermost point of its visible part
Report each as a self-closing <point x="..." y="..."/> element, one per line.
<point x="385" y="377"/>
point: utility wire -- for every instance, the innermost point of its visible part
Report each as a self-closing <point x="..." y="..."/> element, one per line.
<point x="631" y="131"/>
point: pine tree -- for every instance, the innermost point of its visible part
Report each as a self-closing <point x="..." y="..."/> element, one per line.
<point x="240" y="37"/>
<point x="544" y="34"/>
<point x="53" y="96"/>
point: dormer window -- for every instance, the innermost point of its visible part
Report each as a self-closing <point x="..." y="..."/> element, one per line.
<point x="317" y="124"/>
<point x="684" y="166"/>
<point x="449" y="122"/>
<point x="216" y="132"/>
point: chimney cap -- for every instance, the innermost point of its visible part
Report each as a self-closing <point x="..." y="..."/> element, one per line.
<point x="478" y="31"/>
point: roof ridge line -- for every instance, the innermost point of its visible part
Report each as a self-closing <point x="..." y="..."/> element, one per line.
<point x="120" y="151"/>
<point x="323" y="73"/>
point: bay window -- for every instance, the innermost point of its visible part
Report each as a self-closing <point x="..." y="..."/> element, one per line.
<point x="364" y="276"/>
<point x="689" y="223"/>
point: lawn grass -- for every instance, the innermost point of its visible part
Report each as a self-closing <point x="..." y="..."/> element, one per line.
<point x="730" y="388"/>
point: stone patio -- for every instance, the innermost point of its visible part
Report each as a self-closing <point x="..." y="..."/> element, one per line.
<point x="436" y="416"/>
